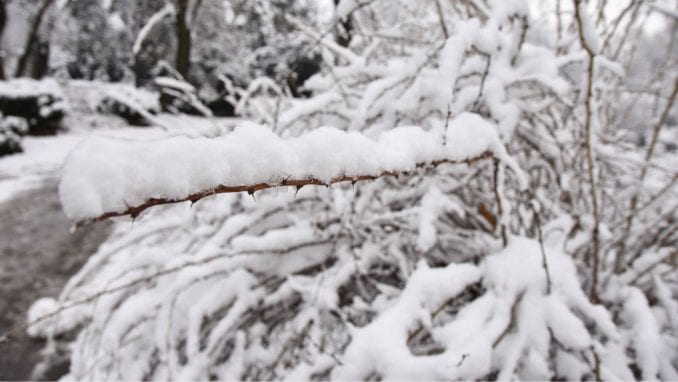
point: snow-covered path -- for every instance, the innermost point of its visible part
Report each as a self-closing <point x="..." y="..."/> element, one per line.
<point x="40" y="162"/>
<point x="37" y="255"/>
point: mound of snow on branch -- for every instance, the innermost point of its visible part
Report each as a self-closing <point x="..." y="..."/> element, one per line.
<point x="107" y="175"/>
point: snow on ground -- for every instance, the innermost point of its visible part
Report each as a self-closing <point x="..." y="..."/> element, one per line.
<point x="42" y="159"/>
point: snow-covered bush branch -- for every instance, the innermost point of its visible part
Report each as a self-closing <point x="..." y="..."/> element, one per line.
<point x="104" y="177"/>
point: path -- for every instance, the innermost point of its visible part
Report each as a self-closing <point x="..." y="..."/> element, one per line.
<point x="37" y="256"/>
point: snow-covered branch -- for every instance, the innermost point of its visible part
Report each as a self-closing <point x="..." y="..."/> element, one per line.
<point x="106" y="177"/>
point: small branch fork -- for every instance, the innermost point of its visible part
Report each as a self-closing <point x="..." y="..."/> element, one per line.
<point x="135" y="211"/>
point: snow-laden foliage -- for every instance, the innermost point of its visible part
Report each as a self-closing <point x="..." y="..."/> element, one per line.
<point x="454" y="272"/>
<point x="11" y="130"/>
<point x="40" y="103"/>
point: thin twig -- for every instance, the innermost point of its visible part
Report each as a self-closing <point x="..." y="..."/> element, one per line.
<point x="441" y="19"/>
<point x="633" y="208"/>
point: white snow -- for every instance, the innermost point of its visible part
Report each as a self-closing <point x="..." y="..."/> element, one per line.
<point x="135" y="98"/>
<point x="108" y="175"/>
<point x="166" y="11"/>
<point x="24" y="87"/>
<point x="345" y="7"/>
<point x="42" y="159"/>
<point x="433" y="204"/>
<point x="588" y="29"/>
<point x="54" y="323"/>
<point x="382" y="345"/>
<point x="169" y="82"/>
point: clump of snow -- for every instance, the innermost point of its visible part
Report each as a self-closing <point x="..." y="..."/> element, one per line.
<point x="11" y="130"/>
<point x="24" y="87"/>
<point x="49" y="319"/>
<point x="589" y="34"/>
<point x="509" y="328"/>
<point x="108" y="175"/>
<point x="169" y="82"/>
<point x="154" y="20"/>
<point x="381" y="346"/>
<point x="433" y="204"/>
<point x="40" y="102"/>
<point x="132" y="97"/>
<point x="345" y="7"/>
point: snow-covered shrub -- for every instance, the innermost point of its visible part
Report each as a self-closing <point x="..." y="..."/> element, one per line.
<point x="40" y="103"/>
<point x="562" y="270"/>
<point x="178" y="96"/>
<point x="136" y="105"/>
<point x="11" y="131"/>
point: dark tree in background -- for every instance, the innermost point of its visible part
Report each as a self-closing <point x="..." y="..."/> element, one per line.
<point x="3" y="20"/>
<point x="32" y="39"/>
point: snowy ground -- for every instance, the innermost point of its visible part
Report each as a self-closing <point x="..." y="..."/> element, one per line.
<point x="31" y="268"/>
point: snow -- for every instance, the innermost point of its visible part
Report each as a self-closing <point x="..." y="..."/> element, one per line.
<point x="391" y="279"/>
<point x="55" y="323"/>
<point x="345" y="7"/>
<point x="116" y="22"/>
<point x="169" y="82"/>
<point x="166" y="11"/>
<point x="41" y="160"/>
<point x="381" y="346"/>
<point x="108" y="175"/>
<point x="135" y="98"/>
<point x="590" y="36"/>
<point x="433" y="204"/>
<point x="515" y="296"/>
<point x="24" y="87"/>
<point x="654" y="360"/>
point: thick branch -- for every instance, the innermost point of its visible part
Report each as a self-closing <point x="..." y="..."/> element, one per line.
<point x="134" y="211"/>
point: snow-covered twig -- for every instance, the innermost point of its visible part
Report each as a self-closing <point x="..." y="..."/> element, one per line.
<point x="103" y="178"/>
<point x="252" y="188"/>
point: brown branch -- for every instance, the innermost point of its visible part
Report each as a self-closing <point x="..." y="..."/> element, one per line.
<point x="135" y="211"/>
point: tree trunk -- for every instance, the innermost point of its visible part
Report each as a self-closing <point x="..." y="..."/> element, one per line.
<point x="40" y="62"/>
<point x="183" y="62"/>
<point x="32" y="39"/>
<point x="3" y="20"/>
